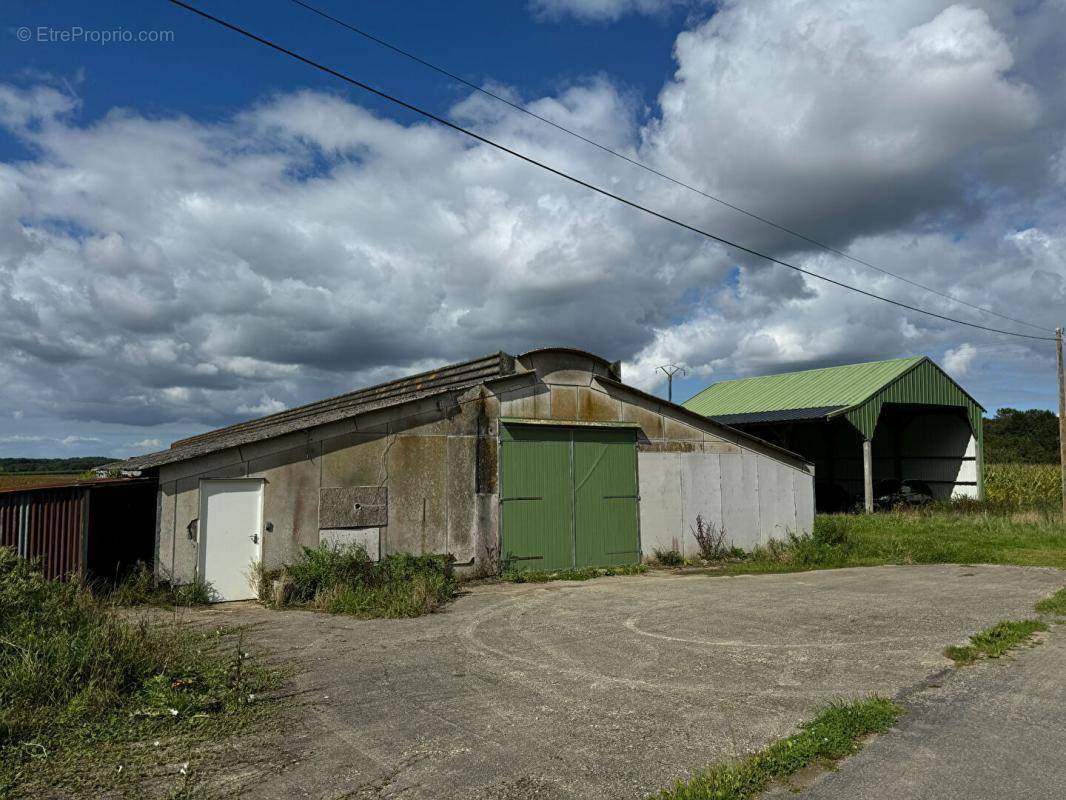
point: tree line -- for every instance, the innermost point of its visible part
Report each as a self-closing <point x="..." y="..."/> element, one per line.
<point x="1022" y="437"/>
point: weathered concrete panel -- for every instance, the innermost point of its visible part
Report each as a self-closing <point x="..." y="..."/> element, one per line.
<point x="186" y="511"/>
<point x="530" y="402"/>
<point x="701" y="493"/>
<point x="645" y="415"/>
<point x="564" y="402"/>
<point x="164" y="554"/>
<point x="462" y="455"/>
<point x="486" y="537"/>
<point x="204" y="465"/>
<point x="418" y="507"/>
<point x="353" y="507"/>
<point x="596" y="406"/>
<point x="357" y="459"/>
<point x="675" y="429"/>
<point x="740" y="499"/>
<point x="564" y="368"/>
<point x="369" y="538"/>
<point x="290" y="503"/>
<point x="661" y="516"/>
<point x="280" y="446"/>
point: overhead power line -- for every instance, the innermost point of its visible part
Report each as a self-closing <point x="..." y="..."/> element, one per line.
<point x="638" y="163"/>
<point x="592" y="187"/>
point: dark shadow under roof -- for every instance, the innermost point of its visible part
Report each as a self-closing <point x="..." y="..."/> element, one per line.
<point x="784" y="415"/>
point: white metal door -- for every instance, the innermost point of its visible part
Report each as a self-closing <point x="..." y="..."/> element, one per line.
<point x="231" y="524"/>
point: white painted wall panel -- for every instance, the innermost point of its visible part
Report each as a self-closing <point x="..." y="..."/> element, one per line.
<point x="740" y="499"/>
<point x="784" y="501"/>
<point x="803" y="492"/>
<point x="660" y="502"/>
<point x="768" y="488"/>
<point x="701" y="493"/>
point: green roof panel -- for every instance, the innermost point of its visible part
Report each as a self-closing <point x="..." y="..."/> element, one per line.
<point x="843" y="386"/>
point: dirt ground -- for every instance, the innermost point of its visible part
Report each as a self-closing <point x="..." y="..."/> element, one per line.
<point x="612" y="688"/>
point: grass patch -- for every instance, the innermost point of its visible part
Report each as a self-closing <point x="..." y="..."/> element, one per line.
<point x="84" y="690"/>
<point x="833" y="734"/>
<point x="995" y="641"/>
<point x="344" y="580"/>
<point x="945" y="534"/>
<point x="143" y="588"/>
<point x="580" y="574"/>
<point x="1055" y="604"/>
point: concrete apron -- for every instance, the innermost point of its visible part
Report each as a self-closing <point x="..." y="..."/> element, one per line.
<point x="612" y="688"/>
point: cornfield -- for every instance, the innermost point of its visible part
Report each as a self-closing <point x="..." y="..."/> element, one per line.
<point x="1023" y="485"/>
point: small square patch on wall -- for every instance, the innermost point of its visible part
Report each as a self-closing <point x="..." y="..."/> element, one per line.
<point x="353" y="507"/>
<point x="370" y="538"/>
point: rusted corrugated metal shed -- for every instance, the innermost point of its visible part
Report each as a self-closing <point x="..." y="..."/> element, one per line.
<point x="51" y="524"/>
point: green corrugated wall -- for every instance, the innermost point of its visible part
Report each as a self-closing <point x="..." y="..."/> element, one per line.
<point x="605" y="497"/>
<point x="924" y="384"/>
<point x="535" y="498"/>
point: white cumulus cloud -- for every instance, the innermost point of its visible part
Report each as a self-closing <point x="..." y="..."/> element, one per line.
<point x="162" y="270"/>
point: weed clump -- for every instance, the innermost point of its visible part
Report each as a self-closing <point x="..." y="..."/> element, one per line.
<point x="710" y="539"/>
<point x="343" y="579"/>
<point x="669" y="558"/>
<point x="142" y="587"/>
<point x="75" y="673"/>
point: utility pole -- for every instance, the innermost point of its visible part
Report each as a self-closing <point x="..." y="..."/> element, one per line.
<point x="1062" y="419"/>
<point x="669" y="370"/>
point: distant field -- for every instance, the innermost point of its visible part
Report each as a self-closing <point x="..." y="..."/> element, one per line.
<point x="23" y="480"/>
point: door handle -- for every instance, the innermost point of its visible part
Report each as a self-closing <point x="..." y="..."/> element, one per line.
<point x="254" y="537"/>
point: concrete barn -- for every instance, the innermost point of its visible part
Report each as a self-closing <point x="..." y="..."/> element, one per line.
<point x="860" y="423"/>
<point x="544" y="460"/>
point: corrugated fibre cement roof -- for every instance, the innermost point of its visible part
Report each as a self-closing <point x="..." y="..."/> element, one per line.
<point x="838" y="387"/>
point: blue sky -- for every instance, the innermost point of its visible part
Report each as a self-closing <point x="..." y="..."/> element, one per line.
<point x="209" y="73"/>
<point x="201" y="230"/>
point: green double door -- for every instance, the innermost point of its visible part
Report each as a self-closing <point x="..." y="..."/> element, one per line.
<point x="568" y="497"/>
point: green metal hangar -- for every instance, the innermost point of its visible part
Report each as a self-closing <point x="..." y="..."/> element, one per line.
<point x="902" y="419"/>
<point x="544" y="460"/>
